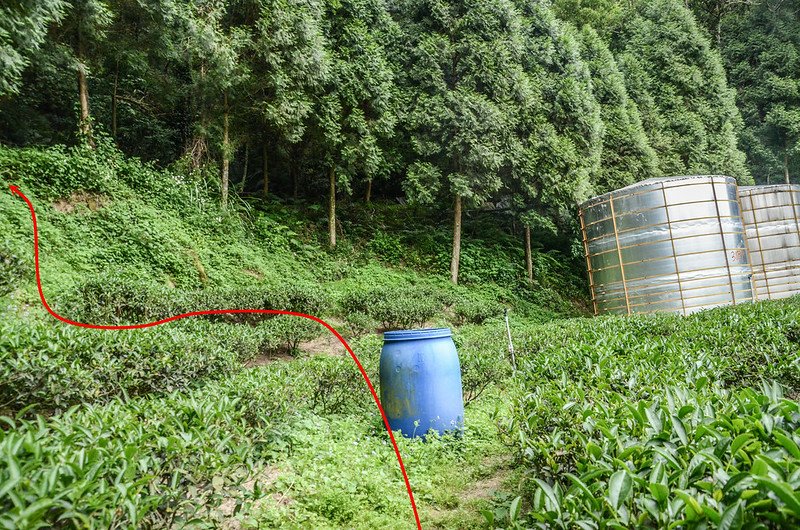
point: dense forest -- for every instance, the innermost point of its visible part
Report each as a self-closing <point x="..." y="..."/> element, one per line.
<point x="522" y="106"/>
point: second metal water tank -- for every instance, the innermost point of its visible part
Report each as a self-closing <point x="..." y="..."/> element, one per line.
<point x="770" y="215"/>
<point x="666" y="245"/>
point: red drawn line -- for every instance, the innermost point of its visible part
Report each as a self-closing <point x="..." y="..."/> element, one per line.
<point x="16" y="191"/>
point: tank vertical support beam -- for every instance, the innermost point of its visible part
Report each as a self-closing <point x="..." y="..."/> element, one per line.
<point x="619" y="255"/>
<point x="724" y="245"/>
<point x="793" y="194"/>
<point x="760" y="247"/>
<point x="747" y="245"/>
<point x="585" y="238"/>
<point x="674" y="253"/>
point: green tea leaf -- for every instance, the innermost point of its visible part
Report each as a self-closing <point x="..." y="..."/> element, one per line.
<point x="787" y="443"/>
<point x="784" y="492"/>
<point x="680" y="430"/>
<point x="619" y="488"/>
<point x="739" y="442"/>
<point x="732" y="517"/>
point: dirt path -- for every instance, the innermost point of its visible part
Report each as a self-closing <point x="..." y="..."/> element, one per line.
<point x="496" y="476"/>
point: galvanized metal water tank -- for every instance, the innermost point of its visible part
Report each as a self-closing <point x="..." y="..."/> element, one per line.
<point x="673" y="244"/>
<point x="770" y="215"/>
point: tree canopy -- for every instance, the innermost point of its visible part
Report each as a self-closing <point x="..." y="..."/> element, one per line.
<point x="524" y="106"/>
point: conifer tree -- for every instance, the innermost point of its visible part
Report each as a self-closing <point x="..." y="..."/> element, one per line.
<point x="604" y="16"/>
<point x="23" y="30"/>
<point x="357" y="112"/>
<point x="290" y="65"/>
<point x="76" y="44"/>
<point x="626" y="155"/>
<point x="462" y="72"/>
<point x="678" y="82"/>
<point x="557" y="130"/>
<point x="762" y="51"/>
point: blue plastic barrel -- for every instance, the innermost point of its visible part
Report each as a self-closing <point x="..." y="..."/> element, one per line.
<point x="421" y="381"/>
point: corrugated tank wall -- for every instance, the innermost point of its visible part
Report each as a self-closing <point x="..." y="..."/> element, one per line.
<point x="666" y="245"/>
<point x="770" y="215"/>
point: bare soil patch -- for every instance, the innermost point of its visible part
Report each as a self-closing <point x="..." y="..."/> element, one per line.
<point x="263" y="359"/>
<point x="265" y="480"/>
<point x="254" y="273"/>
<point x="486" y="487"/>
<point x="92" y="201"/>
<point x="325" y="344"/>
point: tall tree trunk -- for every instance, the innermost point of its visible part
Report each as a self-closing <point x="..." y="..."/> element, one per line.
<point x="226" y="153"/>
<point x="198" y="146"/>
<point x="295" y="181"/>
<point x="83" y="94"/>
<point x="528" y="254"/>
<point x="786" y="166"/>
<point x="368" y="197"/>
<point x="332" y="208"/>
<point x="265" y="168"/>
<point x="114" y="103"/>
<point x="454" y="262"/>
<point x="246" y="163"/>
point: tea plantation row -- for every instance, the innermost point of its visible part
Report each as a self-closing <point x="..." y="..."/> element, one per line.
<point x="656" y="422"/>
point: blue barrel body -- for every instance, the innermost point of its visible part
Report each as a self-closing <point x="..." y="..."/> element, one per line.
<point x="421" y="381"/>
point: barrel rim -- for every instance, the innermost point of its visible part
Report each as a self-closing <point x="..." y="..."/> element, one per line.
<point x="416" y="334"/>
<point x="650" y="182"/>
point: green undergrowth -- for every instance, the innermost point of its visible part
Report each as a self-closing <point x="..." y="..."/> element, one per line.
<point x="124" y="243"/>
<point x="611" y="422"/>
<point x="106" y="218"/>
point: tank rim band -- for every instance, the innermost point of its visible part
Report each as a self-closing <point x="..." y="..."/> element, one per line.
<point x="416" y="334"/>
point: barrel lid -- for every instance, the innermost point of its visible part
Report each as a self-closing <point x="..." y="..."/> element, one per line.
<point x="416" y="334"/>
<point x="651" y="182"/>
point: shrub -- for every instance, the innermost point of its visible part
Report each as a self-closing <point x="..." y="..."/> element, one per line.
<point x="359" y="324"/>
<point x="116" y="299"/>
<point x="388" y="248"/>
<point x="332" y="384"/>
<point x="652" y="421"/>
<point x="12" y="269"/>
<point x="53" y="366"/>
<point x="166" y="460"/>
<point x="289" y="331"/>
<point x="483" y="355"/>
<point x="394" y="307"/>
<point x="476" y="307"/>
<point x="692" y="456"/>
<point x="120" y="298"/>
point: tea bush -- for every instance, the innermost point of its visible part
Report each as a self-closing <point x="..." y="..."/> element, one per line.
<point x="289" y="331"/>
<point x="46" y="364"/>
<point x="693" y="455"/>
<point x="393" y="307"/>
<point x="477" y="306"/>
<point x="13" y="268"/>
<point x="483" y="355"/>
<point x="120" y="299"/>
<point x="654" y="421"/>
<point x="143" y="462"/>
